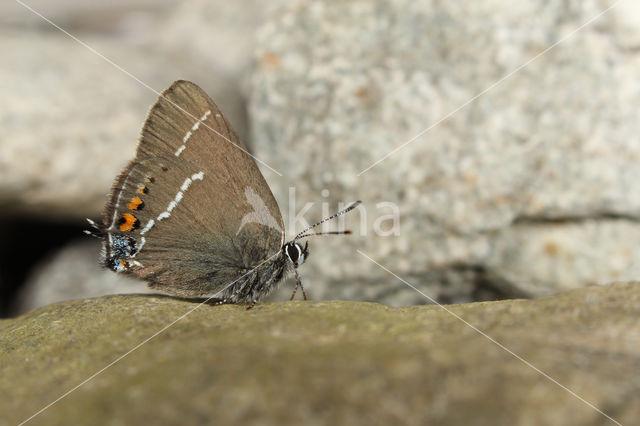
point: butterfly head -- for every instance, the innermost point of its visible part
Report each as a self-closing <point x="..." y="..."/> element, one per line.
<point x="296" y="253"/>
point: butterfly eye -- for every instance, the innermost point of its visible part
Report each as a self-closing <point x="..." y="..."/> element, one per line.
<point x="293" y="251"/>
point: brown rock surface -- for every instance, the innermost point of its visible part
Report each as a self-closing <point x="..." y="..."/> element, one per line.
<point x="326" y="362"/>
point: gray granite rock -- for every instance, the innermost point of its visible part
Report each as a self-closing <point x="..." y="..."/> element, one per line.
<point x="221" y="36"/>
<point x="547" y="257"/>
<point x="338" y="85"/>
<point x="221" y="33"/>
<point x="71" y="120"/>
<point x="73" y="273"/>
<point x="129" y="18"/>
<point x="321" y="363"/>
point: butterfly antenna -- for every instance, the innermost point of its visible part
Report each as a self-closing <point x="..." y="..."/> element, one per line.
<point x="340" y="213"/>
<point x="325" y="233"/>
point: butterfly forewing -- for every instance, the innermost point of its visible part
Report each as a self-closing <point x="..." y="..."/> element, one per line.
<point x="192" y="211"/>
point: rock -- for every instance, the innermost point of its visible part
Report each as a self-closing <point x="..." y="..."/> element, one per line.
<point x="73" y="273"/>
<point x="66" y="132"/>
<point x="121" y="17"/>
<point x="221" y="34"/>
<point x="567" y="255"/>
<point x="339" y="85"/>
<point x="325" y="362"/>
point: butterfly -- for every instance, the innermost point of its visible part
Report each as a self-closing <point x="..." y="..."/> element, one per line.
<point x="192" y="215"/>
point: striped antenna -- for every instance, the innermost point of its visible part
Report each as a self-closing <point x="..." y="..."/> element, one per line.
<point x="325" y="233"/>
<point x="340" y="213"/>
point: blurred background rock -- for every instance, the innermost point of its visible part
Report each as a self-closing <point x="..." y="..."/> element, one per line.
<point x="531" y="189"/>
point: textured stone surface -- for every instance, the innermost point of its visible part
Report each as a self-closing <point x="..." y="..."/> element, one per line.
<point x="131" y="18"/>
<point x="71" y="120"/>
<point x="73" y="273"/>
<point x="64" y="137"/>
<point x="221" y="33"/>
<point x="340" y="84"/>
<point x="566" y="255"/>
<point x="326" y="363"/>
<point x="66" y="132"/>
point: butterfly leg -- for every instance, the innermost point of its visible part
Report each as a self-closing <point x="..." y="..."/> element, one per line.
<point x="295" y="289"/>
<point x="298" y="284"/>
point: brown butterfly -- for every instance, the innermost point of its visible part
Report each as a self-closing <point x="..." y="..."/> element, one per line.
<point x="192" y="214"/>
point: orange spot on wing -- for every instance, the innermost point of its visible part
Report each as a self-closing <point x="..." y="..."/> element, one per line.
<point x="136" y="203"/>
<point x="124" y="263"/>
<point x="143" y="189"/>
<point x="128" y="222"/>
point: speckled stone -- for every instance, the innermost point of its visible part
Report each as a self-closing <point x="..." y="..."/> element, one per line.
<point x="338" y="85"/>
<point x="66" y="134"/>
<point x="221" y="33"/>
<point x="566" y="255"/>
<point x="70" y="120"/>
<point x="321" y="363"/>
